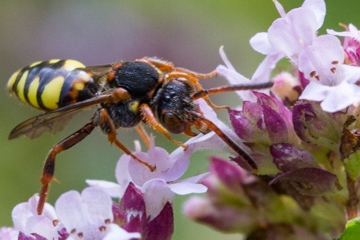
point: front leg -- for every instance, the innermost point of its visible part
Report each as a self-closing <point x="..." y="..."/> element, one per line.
<point x="103" y="119"/>
<point x="151" y="120"/>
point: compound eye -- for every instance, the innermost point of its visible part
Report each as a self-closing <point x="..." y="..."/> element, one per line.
<point x="172" y="123"/>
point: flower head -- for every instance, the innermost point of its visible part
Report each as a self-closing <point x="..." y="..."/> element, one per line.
<point x="27" y="222"/>
<point x="163" y="183"/>
<point x="76" y="216"/>
<point x="132" y="215"/>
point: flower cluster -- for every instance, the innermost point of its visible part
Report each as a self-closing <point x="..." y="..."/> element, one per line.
<point x="303" y="135"/>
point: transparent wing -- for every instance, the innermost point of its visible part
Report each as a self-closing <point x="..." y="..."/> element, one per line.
<point x="56" y="120"/>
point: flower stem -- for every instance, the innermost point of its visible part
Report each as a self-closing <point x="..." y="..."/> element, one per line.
<point x="353" y="201"/>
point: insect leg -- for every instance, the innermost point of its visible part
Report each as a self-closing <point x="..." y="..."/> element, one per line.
<point x="107" y="126"/>
<point x="158" y="63"/>
<point x="169" y="67"/>
<point x="195" y="74"/>
<point x="227" y="140"/>
<point x="49" y="166"/>
<point x="188" y="131"/>
<point x="192" y="79"/>
<point x="231" y="88"/>
<point x="143" y="134"/>
<point x="151" y="120"/>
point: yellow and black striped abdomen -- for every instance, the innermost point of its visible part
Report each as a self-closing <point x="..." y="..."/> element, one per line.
<point x="52" y="84"/>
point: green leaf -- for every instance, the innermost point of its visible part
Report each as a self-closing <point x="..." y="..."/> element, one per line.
<point x="352" y="230"/>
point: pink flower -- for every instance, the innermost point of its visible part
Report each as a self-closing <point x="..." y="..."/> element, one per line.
<point x="132" y="214"/>
<point x="89" y="215"/>
<point x="159" y="186"/>
<point x="76" y="216"/>
<point x="331" y="81"/>
<point x="350" y="43"/>
<point x="30" y="224"/>
<point x="288" y="35"/>
<point x="8" y="233"/>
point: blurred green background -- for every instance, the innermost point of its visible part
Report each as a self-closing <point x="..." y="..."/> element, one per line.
<point x="188" y="33"/>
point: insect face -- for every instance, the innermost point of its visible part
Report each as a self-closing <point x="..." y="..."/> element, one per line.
<point x="172" y="103"/>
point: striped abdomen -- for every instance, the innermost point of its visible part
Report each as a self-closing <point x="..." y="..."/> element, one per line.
<point x="52" y="84"/>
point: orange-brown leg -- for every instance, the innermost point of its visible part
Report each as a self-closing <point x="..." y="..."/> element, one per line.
<point x="49" y="166"/>
<point x="143" y="134"/>
<point x="227" y="140"/>
<point x="158" y="63"/>
<point x="195" y="74"/>
<point x="188" y="131"/>
<point x="151" y="120"/>
<point x="105" y="120"/>
<point x="231" y="88"/>
<point x="169" y="67"/>
<point x="194" y="80"/>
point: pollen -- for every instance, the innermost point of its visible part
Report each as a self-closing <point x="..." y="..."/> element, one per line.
<point x="55" y="222"/>
<point x="134" y="106"/>
<point x="312" y="74"/>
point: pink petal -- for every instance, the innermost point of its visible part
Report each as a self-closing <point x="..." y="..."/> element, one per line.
<point x="42" y="226"/>
<point x="112" y="189"/>
<point x="20" y="214"/>
<point x="24" y="211"/>
<point x="262" y="73"/>
<point x="319" y="9"/>
<point x="225" y="59"/>
<point x="97" y="205"/>
<point x="280" y="8"/>
<point x="69" y="210"/>
<point x="163" y="221"/>
<point x="181" y="161"/>
<point x="156" y="194"/>
<point x="132" y="210"/>
<point x="319" y="64"/>
<point x="350" y="74"/>
<point x="260" y="43"/>
<point x="342" y="34"/>
<point x="183" y="188"/>
<point x="156" y="156"/>
<point x="289" y="35"/>
<point x="315" y="91"/>
<point x="117" y="233"/>
<point x="340" y="97"/>
<point x="122" y="175"/>
<point x="8" y="233"/>
<point x="197" y="179"/>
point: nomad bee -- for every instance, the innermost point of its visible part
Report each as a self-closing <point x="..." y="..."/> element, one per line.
<point x="146" y="90"/>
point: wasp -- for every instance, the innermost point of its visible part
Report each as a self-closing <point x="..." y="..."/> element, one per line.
<point x="146" y="90"/>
